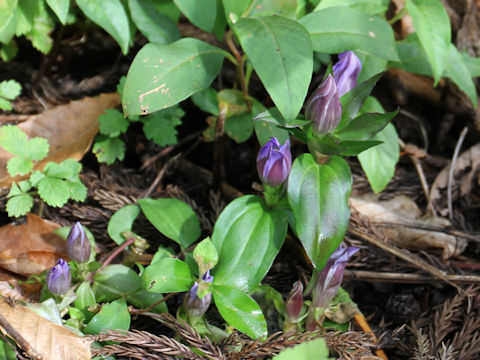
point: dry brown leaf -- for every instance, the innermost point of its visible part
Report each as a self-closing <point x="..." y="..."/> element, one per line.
<point x="50" y="341"/>
<point x="402" y="210"/>
<point x="32" y="247"/>
<point x="69" y="129"/>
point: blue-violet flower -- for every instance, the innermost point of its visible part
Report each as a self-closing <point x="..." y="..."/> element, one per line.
<point x="345" y="72"/>
<point x="78" y="245"/>
<point x="59" y="278"/>
<point x="274" y="162"/>
<point x="194" y="305"/>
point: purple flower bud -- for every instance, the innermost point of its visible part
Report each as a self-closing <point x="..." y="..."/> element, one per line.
<point x="294" y="302"/>
<point x="78" y="246"/>
<point x="194" y="305"/>
<point x="59" y="278"/>
<point x="274" y="162"/>
<point x="324" y="107"/>
<point x="345" y="72"/>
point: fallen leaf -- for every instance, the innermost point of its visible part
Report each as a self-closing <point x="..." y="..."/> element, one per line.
<point x="400" y="215"/>
<point x="69" y="129"/>
<point x="50" y="341"/>
<point x="32" y="247"/>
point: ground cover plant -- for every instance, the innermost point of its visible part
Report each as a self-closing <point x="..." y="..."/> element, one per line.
<point x="281" y="95"/>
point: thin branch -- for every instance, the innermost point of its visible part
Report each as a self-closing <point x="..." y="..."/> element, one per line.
<point x="452" y="171"/>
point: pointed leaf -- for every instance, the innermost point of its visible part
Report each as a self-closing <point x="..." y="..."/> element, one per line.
<point x="201" y="13"/>
<point x="60" y="8"/>
<point x="167" y="275"/>
<point x="365" y="126"/>
<point x="113" y="316"/>
<point x="122" y="221"/>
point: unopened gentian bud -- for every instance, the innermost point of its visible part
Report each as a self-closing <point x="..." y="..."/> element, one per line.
<point x="294" y="302"/>
<point x="274" y="162"/>
<point x="194" y="305"/>
<point x="59" y="278"/>
<point x="324" y="107"/>
<point x="329" y="280"/>
<point x="78" y="245"/>
<point x="345" y="72"/>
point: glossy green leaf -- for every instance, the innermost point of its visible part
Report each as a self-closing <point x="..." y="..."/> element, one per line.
<point x="432" y="26"/>
<point x="143" y="299"/>
<point x="371" y="65"/>
<point x="85" y="298"/>
<point x="458" y="72"/>
<point x="122" y="221"/>
<point x="173" y="218"/>
<point x="281" y="53"/>
<point x="412" y="57"/>
<point x="111" y="16"/>
<point x="201" y="13"/>
<point x="60" y="8"/>
<point x="473" y="64"/>
<point x="235" y="8"/>
<point x="367" y="6"/>
<point x="365" y="126"/>
<point x="318" y="196"/>
<point x="157" y="27"/>
<point x="266" y="127"/>
<point x="248" y="236"/>
<point x="167" y="275"/>
<point x="313" y="349"/>
<point x="205" y="255"/>
<point x="356" y="31"/>
<point x="286" y="8"/>
<point x="240" y="310"/>
<point x="163" y="75"/>
<point x="115" y="281"/>
<point x="113" y="316"/>
<point x="207" y="101"/>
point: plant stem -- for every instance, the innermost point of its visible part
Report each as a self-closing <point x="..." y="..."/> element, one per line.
<point x="113" y="255"/>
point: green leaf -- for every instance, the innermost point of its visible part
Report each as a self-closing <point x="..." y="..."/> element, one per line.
<point x="115" y="281"/>
<point x="368" y="6"/>
<point x="36" y="177"/>
<point x="5" y="105"/>
<point x="60" y="8"/>
<point x="371" y="65"/>
<point x="68" y="169"/>
<point x="365" y="126"/>
<point x="234" y="9"/>
<point x="207" y="101"/>
<point x="26" y="10"/>
<point x="357" y="31"/>
<point x="111" y="16"/>
<point x="201" y="13"/>
<point x="14" y="190"/>
<point x="7" y="53"/>
<point x="163" y="75"/>
<point x="143" y="299"/>
<point x="43" y="25"/>
<point x="248" y="237"/>
<point x="7" y="349"/>
<point x="160" y="254"/>
<point x="458" y="72"/>
<point x="287" y="8"/>
<point x="122" y="221"/>
<point x="19" y="166"/>
<point x="173" y="218"/>
<point x="240" y="310"/>
<point x="13" y="140"/>
<point x="10" y="89"/>
<point x="267" y="125"/>
<point x="112" y="123"/>
<point x="36" y="149"/>
<point x="432" y="25"/>
<point x="19" y="205"/>
<point x="379" y="162"/>
<point x="205" y="255"/>
<point x="157" y="27"/>
<point x="85" y="299"/>
<point x="113" y="316"/>
<point x="167" y="275"/>
<point x="78" y="191"/>
<point x="7" y="20"/>
<point x="473" y="64"/>
<point x="318" y="196"/>
<point x="281" y="53"/>
<point x="108" y="149"/>
<point x="162" y="130"/>
<point x="313" y="349"/>
<point x="53" y="191"/>
<point x="412" y="57"/>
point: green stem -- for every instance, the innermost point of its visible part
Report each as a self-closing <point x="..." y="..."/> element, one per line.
<point x="397" y="17"/>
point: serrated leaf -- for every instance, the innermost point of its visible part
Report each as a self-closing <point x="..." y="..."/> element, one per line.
<point x="10" y="89"/>
<point x="157" y="27"/>
<point x="54" y="192"/>
<point x="167" y="275"/>
<point x="60" y="8"/>
<point x="357" y="31"/>
<point x="36" y="177"/>
<point x="78" y="191"/>
<point x="7" y="53"/>
<point x="36" y="149"/>
<point x="25" y="185"/>
<point x="5" y="105"/>
<point x="43" y="25"/>
<point x="318" y="196"/>
<point x="111" y="16"/>
<point x="67" y="169"/>
<point x="13" y="140"/>
<point x="240" y="311"/>
<point x="162" y="130"/>
<point x="281" y="53"/>
<point x="163" y="75"/>
<point x="14" y="190"/>
<point x="173" y="218"/>
<point x="432" y="26"/>
<point x="19" y="205"/>
<point x="201" y="13"/>
<point x="19" y="166"/>
<point x="108" y="149"/>
<point x="112" y="123"/>
<point x="122" y="220"/>
<point x="7" y="20"/>
<point x="25" y="13"/>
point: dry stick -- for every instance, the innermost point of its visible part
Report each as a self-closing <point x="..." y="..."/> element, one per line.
<point x="408" y="257"/>
<point x="452" y="170"/>
<point x="159" y="176"/>
<point x="400" y="278"/>
<point x="19" y="339"/>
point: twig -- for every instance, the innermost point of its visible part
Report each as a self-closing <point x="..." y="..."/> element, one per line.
<point x="452" y="171"/>
<point x="113" y="255"/>
<point x="141" y="311"/>
<point x="159" y="176"/>
<point x="19" y="339"/>
<point x="390" y="277"/>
